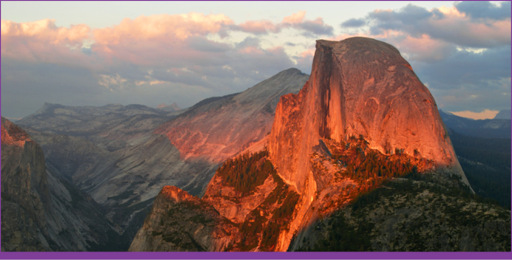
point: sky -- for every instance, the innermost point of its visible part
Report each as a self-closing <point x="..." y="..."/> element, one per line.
<point x="159" y="53"/>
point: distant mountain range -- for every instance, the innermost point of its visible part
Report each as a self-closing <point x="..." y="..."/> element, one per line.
<point x="483" y="149"/>
<point x="503" y="114"/>
<point x="122" y="156"/>
<point x="486" y="128"/>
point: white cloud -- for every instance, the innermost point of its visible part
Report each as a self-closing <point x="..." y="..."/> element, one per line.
<point x="112" y="82"/>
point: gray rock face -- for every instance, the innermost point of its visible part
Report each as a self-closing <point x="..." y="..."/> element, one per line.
<point x="41" y="212"/>
<point x="114" y="153"/>
<point x="111" y="154"/>
<point x="218" y="128"/>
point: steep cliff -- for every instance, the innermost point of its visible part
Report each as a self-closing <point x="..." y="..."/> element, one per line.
<point x="362" y="118"/>
<point x="40" y="211"/>
<point x="24" y="188"/>
<point x="358" y="86"/>
<point x="218" y="128"/>
<point x="363" y="124"/>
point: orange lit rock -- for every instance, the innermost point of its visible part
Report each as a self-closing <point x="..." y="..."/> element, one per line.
<point x="13" y="135"/>
<point x="358" y="86"/>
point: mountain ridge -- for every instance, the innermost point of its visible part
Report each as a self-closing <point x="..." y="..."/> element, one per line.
<point x="327" y="145"/>
<point x="113" y="153"/>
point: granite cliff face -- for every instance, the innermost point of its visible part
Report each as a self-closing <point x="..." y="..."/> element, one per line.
<point x="40" y="211"/>
<point x="239" y="212"/>
<point x="362" y="118"/>
<point x="218" y="128"/>
<point x="24" y="188"/>
<point x="358" y="86"/>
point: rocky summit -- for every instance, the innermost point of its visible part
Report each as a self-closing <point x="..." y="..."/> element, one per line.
<point x="361" y="122"/>
<point x="358" y="86"/>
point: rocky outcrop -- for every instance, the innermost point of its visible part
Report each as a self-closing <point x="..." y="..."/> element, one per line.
<point x="218" y="128"/>
<point x="24" y="189"/>
<point x="197" y="225"/>
<point x="40" y="211"/>
<point x="362" y="119"/>
<point x="358" y="86"/>
<point x="239" y="212"/>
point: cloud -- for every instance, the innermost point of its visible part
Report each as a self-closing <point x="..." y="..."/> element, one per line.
<point x="259" y="27"/>
<point x="468" y="79"/>
<point x="112" y="82"/>
<point x="465" y="68"/>
<point x="446" y="24"/>
<point x="296" y="21"/>
<point x="149" y="60"/>
<point x="170" y="27"/>
<point x="149" y="40"/>
<point x="354" y="22"/>
<point x="312" y="27"/>
<point x="484" y="9"/>
<point x="305" y="60"/>
<point x="43" y="41"/>
<point x="316" y="27"/>
<point x="422" y="48"/>
<point x="485" y="114"/>
<point x="462" y="55"/>
<point x="295" y="18"/>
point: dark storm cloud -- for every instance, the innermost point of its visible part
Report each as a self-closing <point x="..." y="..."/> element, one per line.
<point x="484" y="9"/>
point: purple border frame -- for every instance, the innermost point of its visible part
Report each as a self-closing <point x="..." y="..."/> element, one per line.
<point x="258" y="255"/>
<point x="250" y="255"/>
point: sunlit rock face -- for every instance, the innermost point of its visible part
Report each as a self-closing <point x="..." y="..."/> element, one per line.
<point x="361" y="101"/>
<point x="218" y="128"/>
<point x="358" y="86"/>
